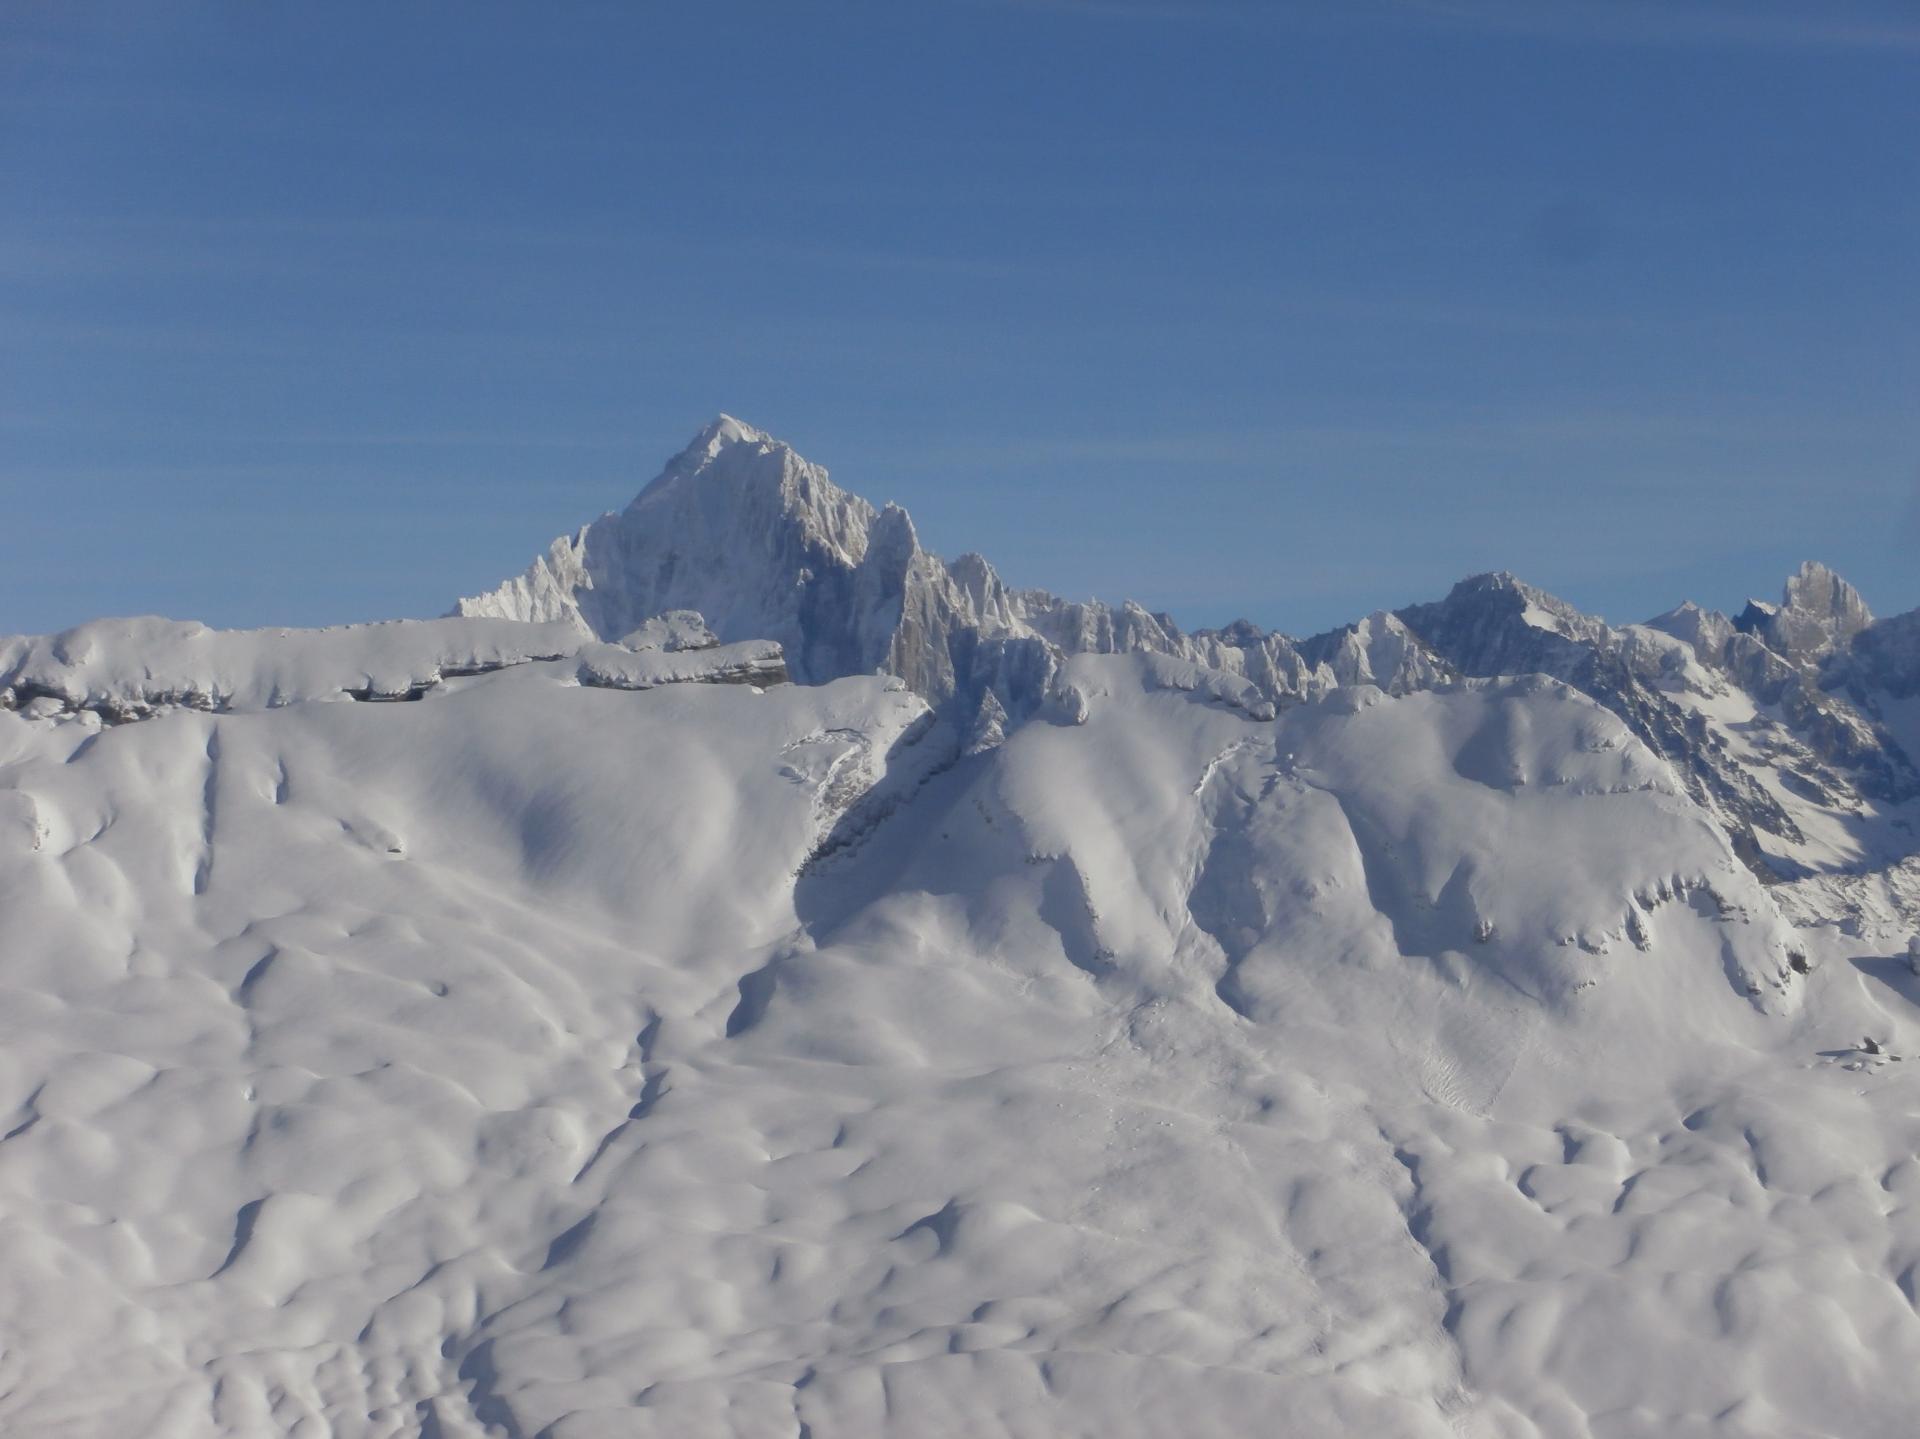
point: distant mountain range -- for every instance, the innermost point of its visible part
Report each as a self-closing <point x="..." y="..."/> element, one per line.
<point x="1786" y="722"/>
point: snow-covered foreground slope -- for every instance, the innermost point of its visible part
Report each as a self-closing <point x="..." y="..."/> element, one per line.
<point x="544" y="1058"/>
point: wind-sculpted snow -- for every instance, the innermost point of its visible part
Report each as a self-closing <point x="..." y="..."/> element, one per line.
<point x="121" y="670"/>
<point x="128" y="669"/>
<point x="749" y="662"/>
<point x="547" y="1059"/>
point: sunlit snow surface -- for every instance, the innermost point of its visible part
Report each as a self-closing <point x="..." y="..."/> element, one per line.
<point x="542" y="1058"/>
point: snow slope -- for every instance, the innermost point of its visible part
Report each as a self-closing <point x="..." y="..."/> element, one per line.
<point x="616" y="1040"/>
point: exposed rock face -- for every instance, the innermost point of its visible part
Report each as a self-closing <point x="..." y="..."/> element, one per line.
<point x="764" y="545"/>
<point x="741" y="530"/>
<point x="1884" y="658"/>
<point x="1819" y="614"/>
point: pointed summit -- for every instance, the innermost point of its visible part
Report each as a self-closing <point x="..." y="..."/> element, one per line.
<point x="1705" y="631"/>
<point x="725" y="429"/>
<point x="720" y="433"/>
<point x="1497" y="624"/>
<point x="1818" y="614"/>
<point x="1817" y="592"/>
<point x="763" y="545"/>
<point x="737" y="527"/>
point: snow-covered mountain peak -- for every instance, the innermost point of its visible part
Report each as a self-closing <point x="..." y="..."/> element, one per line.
<point x="727" y="450"/>
<point x="1497" y="624"/>
<point x="1508" y="587"/>
<point x="1816" y="607"/>
<point x="724" y="429"/>
<point x="1704" y="631"/>
<point x="738" y="527"/>
<point x="733" y="475"/>
<point x="762" y="543"/>
<point x="1817" y="591"/>
<point x="1818" y="613"/>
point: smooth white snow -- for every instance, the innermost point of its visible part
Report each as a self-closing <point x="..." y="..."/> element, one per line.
<point x="543" y="1059"/>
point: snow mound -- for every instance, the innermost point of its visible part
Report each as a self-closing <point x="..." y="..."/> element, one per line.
<point x="751" y="662"/>
<point x="675" y="630"/>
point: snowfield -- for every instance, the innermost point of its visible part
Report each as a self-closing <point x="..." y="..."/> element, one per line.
<point x="552" y="1023"/>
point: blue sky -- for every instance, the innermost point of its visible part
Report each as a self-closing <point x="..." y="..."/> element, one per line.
<point x="1287" y="310"/>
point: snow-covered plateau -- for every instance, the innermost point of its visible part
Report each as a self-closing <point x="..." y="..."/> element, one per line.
<point x="747" y="976"/>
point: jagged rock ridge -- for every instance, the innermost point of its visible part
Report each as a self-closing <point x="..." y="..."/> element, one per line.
<point x="761" y="542"/>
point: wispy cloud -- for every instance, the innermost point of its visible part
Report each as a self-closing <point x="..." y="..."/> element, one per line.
<point x="895" y="261"/>
<point x="1826" y="24"/>
<point x="183" y="340"/>
<point x="1675" y="22"/>
<point x="266" y="484"/>
<point x="1151" y="10"/>
<point x="84" y="247"/>
<point x="1402" y="311"/>
<point x="1405" y="443"/>
<point x="445" y="439"/>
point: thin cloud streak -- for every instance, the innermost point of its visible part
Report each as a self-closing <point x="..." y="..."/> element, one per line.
<point x="1622" y="24"/>
<point x="1148" y="10"/>
<point x="287" y="245"/>
<point x="1553" y="436"/>
<point x="447" y="439"/>
<point x="1674" y="25"/>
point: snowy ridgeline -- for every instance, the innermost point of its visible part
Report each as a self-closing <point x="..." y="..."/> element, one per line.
<point x="616" y="1041"/>
<point x="121" y="670"/>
